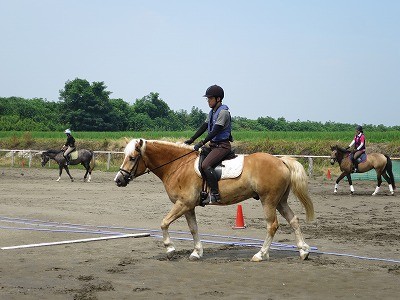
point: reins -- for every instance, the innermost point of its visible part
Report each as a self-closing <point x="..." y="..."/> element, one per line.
<point x="148" y="170"/>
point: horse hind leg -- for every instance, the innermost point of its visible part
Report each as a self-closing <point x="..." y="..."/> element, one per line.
<point x="388" y="180"/>
<point x="293" y="220"/>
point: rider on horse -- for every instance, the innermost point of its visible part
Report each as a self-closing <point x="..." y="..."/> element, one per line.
<point x="69" y="145"/>
<point x="218" y="125"/>
<point x="359" y="146"/>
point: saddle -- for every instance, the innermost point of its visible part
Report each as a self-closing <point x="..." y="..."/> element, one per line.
<point x="73" y="155"/>
<point x="361" y="159"/>
<point x="230" y="167"/>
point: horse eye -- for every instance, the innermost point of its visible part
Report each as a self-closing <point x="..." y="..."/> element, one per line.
<point x="132" y="158"/>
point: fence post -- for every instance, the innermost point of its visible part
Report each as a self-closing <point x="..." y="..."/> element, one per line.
<point x="310" y="166"/>
<point x="12" y="158"/>
<point x="108" y="160"/>
<point x="30" y="158"/>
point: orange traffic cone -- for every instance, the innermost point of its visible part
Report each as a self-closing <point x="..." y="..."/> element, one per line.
<point x="328" y="174"/>
<point x="239" y="224"/>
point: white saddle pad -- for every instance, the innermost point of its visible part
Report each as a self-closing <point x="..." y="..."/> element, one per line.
<point x="231" y="168"/>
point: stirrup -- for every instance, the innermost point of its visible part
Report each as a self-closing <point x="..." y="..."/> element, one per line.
<point x="212" y="198"/>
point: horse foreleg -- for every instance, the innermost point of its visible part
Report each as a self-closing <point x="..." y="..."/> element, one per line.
<point x="177" y="211"/>
<point x="59" y="173"/>
<point x="350" y="183"/>
<point x="341" y="176"/>
<point x="67" y="170"/>
<point x="379" y="179"/>
<point x="198" y="247"/>
<point x="272" y="227"/>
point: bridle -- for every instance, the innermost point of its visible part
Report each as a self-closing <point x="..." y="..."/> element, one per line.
<point x="129" y="175"/>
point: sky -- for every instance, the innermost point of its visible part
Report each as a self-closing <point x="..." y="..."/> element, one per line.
<point x="324" y="61"/>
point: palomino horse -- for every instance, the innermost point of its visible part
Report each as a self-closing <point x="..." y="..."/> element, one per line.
<point x="263" y="175"/>
<point x="381" y="163"/>
<point x="85" y="157"/>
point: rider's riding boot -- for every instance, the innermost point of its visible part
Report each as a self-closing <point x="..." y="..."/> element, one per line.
<point x="212" y="181"/>
<point x="66" y="161"/>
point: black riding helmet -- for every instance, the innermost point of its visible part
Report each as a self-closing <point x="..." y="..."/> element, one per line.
<point x="214" y="91"/>
<point x="359" y="128"/>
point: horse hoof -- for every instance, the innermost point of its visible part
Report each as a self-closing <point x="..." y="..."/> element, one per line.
<point x="304" y="254"/>
<point x="258" y="257"/>
<point x="170" y="254"/>
<point x="335" y="191"/>
<point x="194" y="257"/>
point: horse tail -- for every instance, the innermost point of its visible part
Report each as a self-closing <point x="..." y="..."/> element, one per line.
<point x="299" y="185"/>
<point x="91" y="164"/>
<point x="389" y="170"/>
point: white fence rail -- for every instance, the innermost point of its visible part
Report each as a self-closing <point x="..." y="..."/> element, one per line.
<point x="29" y="154"/>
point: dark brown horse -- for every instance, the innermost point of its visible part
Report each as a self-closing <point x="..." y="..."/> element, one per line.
<point x="82" y="156"/>
<point x="380" y="162"/>
<point x="268" y="177"/>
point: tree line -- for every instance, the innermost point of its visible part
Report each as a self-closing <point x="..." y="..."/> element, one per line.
<point x="86" y="106"/>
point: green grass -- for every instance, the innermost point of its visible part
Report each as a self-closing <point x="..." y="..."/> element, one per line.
<point x="346" y="136"/>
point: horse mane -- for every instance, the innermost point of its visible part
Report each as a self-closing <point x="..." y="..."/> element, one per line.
<point x="53" y="151"/>
<point x="339" y="148"/>
<point x="130" y="147"/>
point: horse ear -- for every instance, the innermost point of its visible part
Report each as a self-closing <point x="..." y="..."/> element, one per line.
<point x="126" y="141"/>
<point x="140" y="142"/>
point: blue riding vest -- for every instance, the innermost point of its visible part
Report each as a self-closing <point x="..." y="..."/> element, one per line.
<point x="225" y="134"/>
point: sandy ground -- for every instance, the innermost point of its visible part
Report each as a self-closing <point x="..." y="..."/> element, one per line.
<point x="33" y="207"/>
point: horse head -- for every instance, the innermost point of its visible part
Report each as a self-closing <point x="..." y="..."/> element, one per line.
<point x="44" y="158"/>
<point x="133" y="164"/>
<point x="337" y="154"/>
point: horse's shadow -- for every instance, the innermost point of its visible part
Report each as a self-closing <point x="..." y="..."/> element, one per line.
<point x="230" y="253"/>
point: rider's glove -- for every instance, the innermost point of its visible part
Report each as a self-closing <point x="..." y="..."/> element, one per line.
<point x="189" y="141"/>
<point x="198" y="145"/>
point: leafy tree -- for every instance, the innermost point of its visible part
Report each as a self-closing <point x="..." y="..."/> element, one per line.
<point x="196" y="117"/>
<point x="86" y="106"/>
<point x="152" y="105"/>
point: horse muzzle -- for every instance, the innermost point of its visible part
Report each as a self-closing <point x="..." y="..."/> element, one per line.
<point x="333" y="161"/>
<point x="122" y="179"/>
